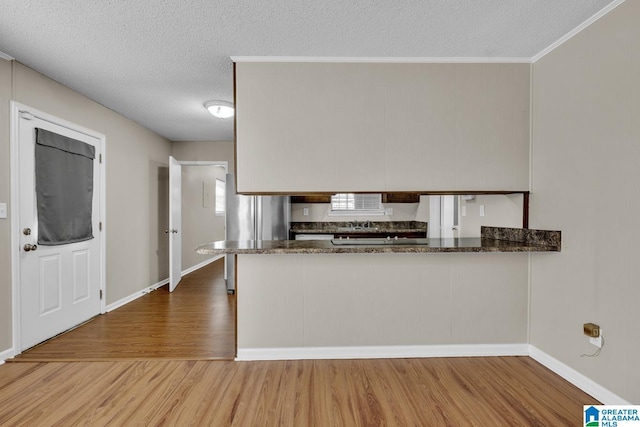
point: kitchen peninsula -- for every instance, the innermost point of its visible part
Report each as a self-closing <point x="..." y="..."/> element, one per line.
<point x="313" y="299"/>
<point x="493" y="239"/>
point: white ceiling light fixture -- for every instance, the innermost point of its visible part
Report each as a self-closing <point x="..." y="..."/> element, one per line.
<point x="220" y="109"/>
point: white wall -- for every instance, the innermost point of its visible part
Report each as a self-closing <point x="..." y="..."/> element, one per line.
<point x="197" y="228"/>
<point x="341" y="127"/>
<point x="499" y="211"/>
<point x="5" y="197"/>
<point x="200" y="224"/>
<point x="210" y="151"/>
<point x="586" y="182"/>
<point x="330" y="300"/>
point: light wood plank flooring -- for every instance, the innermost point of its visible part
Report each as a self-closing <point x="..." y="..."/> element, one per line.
<point x="145" y="364"/>
<point x="493" y="391"/>
<point x="195" y="322"/>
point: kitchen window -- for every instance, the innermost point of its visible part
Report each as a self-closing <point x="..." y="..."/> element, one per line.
<point x="356" y="204"/>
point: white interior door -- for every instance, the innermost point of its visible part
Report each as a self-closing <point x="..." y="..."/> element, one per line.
<point x="59" y="286"/>
<point x="434" y="217"/>
<point x="175" y="223"/>
<point x="449" y="216"/>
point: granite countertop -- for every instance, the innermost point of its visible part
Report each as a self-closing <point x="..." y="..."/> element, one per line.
<point x="375" y="227"/>
<point x="528" y="241"/>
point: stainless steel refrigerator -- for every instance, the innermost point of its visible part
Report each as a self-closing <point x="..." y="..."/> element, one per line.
<point x="253" y="218"/>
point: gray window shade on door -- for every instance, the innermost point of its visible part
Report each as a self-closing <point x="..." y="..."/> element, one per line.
<point x="64" y="188"/>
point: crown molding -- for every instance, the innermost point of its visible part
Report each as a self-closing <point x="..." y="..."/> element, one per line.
<point x="437" y="60"/>
<point x="389" y="60"/>
<point x="576" y="30"/>
<point x="5" y="56"/>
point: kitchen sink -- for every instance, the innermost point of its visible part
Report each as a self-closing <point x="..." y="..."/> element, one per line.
<point x="378" y="242"/>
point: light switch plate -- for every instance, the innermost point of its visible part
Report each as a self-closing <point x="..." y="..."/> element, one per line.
<point x="481" y="210"/>
<point x="305" y="211"/>
<point x="3" y="210"/>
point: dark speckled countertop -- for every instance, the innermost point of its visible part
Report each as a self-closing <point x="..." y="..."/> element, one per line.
<point x="495" y="239"/>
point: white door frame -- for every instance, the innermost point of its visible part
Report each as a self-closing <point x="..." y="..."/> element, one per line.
<point x="16" y="109"/>
<point x="225" y="165"/>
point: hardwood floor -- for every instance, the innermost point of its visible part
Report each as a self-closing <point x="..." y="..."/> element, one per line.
<point x="195" y="322"/>
<point x="495" y="391"/>
<point x="146" y="364"/>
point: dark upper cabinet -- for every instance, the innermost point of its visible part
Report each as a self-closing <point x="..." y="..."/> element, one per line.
<point x="386" y="198"/>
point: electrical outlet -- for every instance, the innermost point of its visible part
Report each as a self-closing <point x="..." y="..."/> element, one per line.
<point x="305" y="211"/>
<point x="597" y="341"/>
<point x="388" y="211"/>
<point x="591" y="330"/>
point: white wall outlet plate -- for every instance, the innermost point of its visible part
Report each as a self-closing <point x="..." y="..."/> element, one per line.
<point x="597" y="341"/>
<point x="305" y="211"/>
<point x="388" y="211"/>
<point x="3" y="210"/>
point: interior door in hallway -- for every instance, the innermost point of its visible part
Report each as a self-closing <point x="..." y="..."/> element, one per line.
<point x="59" y="227"/>
<point x="175" y="223"/>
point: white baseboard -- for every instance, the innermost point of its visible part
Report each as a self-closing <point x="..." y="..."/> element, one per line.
<point x="202" y="264"/>
<point x="576" y="378"/>
<point x="135" y="295"/>
<point x="6" y="354"/>
<point x="382" y="352"/>
<point x="394" y="352"/>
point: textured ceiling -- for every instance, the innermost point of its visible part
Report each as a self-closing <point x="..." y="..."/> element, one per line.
<point x="157" y="62"/>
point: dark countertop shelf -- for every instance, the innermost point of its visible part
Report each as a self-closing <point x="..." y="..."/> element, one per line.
<point x="494" y="239"/>
<point x="326" y="247"/>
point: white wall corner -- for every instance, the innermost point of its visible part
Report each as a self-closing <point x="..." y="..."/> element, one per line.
<point x="577" y="30"/>
<point x="576" y="378"/>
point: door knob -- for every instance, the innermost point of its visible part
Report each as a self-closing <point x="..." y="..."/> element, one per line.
<point x="29" y="247"/>
<point x="26" y="231"/>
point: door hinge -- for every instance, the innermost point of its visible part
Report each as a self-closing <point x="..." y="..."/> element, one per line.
<point x="100" y="156"/>
<point x="100" y="226"/>
<point x="100" y="293"/>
